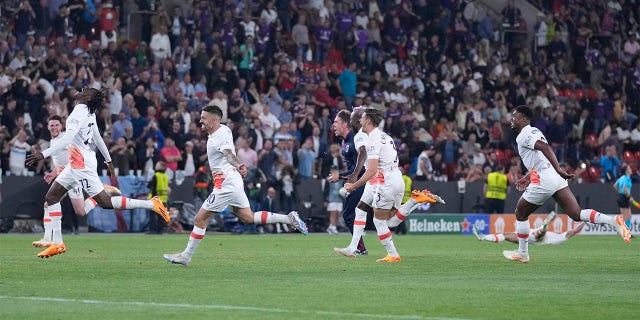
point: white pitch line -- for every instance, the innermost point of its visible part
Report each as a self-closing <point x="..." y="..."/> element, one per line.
<point x="226" y="307"/>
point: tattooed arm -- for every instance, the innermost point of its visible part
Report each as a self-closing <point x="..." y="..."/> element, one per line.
<point x="234" y="161"/>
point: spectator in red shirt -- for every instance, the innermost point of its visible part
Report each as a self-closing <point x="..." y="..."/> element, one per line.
<point x="170" y="154"/>
<point x="108" y="24"/>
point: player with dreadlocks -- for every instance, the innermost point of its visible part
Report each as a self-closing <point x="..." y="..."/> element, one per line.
<point x="82" y="132"/>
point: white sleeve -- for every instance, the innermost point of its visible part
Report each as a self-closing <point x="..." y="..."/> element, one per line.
<point x="97" y="138"/>
<point x="226" y="143"/>
<point x="66" y="140"/>
<point x="373" y="146"/>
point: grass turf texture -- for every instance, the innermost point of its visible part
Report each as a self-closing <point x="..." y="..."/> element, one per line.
<point x="296" y="277"/>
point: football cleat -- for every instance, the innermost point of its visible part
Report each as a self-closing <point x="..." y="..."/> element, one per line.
<point x="476" y="233"/>
<point x="345" y="252"/>
<point x="42" y="243"/>
<point x="625" y="233"/>
<point x="53" y="250"/>
<point x="422" y="197"/>
<point x="177" y="258"/>
<point x="359" y="252"/>
<point x="515" y="256"/>
<point x="159" y="208"/>
<point x="297" y="223"/>
<point x="389" y="258"/>
<point x="435" y="196"/>
<point x="111" y="190"/>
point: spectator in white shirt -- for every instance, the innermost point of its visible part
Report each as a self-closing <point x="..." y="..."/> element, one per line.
<point x="18" y="153"/>
<point x="160" y="45"/>
<point x="269" y="122"/>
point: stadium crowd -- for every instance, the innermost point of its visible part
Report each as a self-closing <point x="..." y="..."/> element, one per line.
<point x="446" y="74"/>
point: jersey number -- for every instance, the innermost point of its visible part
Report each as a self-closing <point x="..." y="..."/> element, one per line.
<point x="84" y="183"/>
<point x="211" y="198"/>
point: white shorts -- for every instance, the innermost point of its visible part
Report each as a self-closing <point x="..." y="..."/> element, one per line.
<point x="81" y="179"/>
<point x="550" y="182"/>
<point x="367" y="194"/>
<point x="385" y="195"/>
<point x="230" y="193"/>
<point x="75" y="193"/>
<point x="334" y="206"/>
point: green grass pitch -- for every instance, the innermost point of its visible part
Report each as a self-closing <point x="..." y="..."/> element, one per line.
<point x="297" y="277"/>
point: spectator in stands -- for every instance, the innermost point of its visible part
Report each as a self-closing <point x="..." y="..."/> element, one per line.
<point x="18" y="155"/>
<point x="123" y="156"/>
<point x="160" y="45"/>
<point x="170" y="154"/>
<point x="610" y="164"/>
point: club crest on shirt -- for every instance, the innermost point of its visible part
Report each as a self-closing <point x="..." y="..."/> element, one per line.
<point x="346" y="148"/>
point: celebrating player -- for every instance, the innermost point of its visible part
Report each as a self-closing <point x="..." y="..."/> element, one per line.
<point x="59" y="160"/>
<point x="228" y="187"/>
<point x="82" y="132"/>
<point x="544" y="179"/>
<point x="394" y="217"/>
<point x="538" y="235"/>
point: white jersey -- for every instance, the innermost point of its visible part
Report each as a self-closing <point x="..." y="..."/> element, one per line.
<point x="220" y="140"/>
<point x="382" y="147"/>
<point x="360" y="139"/>
<point x="60" y="158"/>
<point x="532" y="159"/>
<point x="81" y="125"/>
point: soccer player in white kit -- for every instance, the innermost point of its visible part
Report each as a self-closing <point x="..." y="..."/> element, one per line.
<point x="58" y="161"/>
<point x="544" y="179"/>
<point x="537" y="236"/>
<point x="82" y="132"/>
<point x="360" y="140"/>
<point x="228" y="187"/>
<point x="385" y="186"/>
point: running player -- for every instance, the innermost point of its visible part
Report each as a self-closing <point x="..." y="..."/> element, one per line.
<point x="394" y="217"/>
<point x="58" y="161"/>
<point x="228" y="187"/>
<point x="545" y="179"/>
<point x="82" y="132"/>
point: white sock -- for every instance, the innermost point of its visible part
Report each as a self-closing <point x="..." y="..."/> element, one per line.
<point x="359" y="223"/>
<point x="384" y="234"/>
<point x="403" y="212"/>
<point x="119" y="202"/>
<point x="266" y="217"/>
<point x="522" y="231"/>
<point x="194" y="240"/>
<point x="55" y="212"/>
<point x="493" y="237"/>
<point x="89" y="204"/>
<point x="46" y="221"/>
<point x="590" y="215"/>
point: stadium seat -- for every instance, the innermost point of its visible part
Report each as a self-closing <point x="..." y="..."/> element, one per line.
<point x="509" y="154"/>
<point x="594" y="174"/>
<point x="501" y="157"/>
<point x="628" y="157"/>
<point x="591" y="140"/>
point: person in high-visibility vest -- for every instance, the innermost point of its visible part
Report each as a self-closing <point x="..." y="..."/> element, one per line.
<point x="158" y="185"/>
<point x="495" y="191"/>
